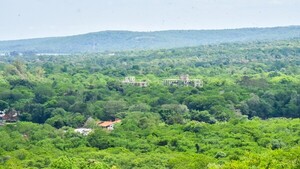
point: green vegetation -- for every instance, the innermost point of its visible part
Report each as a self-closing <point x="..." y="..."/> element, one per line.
<point x="245" y="116"/>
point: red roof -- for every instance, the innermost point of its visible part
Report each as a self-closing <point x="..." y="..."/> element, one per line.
<point x="108" y="123"/>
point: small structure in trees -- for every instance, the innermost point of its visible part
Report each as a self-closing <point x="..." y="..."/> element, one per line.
<point x="131" y="81"/>
<point x="8" y="115"/>
<point x="109" y="125"/>
<point x="83" y="131"/>
<point x="184" y="80"/>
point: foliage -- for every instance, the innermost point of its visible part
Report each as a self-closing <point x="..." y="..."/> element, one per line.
<point x="245" y="116"/>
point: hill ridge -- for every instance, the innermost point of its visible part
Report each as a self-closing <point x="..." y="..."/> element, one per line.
<point x="120" y="40"/>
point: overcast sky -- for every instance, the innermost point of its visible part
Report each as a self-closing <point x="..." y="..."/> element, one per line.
<point x="43" y="18"/>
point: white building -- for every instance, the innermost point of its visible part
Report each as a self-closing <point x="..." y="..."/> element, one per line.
<point x="83" y="131"/>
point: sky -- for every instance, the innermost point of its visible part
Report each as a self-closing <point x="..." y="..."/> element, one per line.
<point x="20" y="19"/>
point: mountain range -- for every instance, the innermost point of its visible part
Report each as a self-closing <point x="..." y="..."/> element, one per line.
<point x="128" y="40"/>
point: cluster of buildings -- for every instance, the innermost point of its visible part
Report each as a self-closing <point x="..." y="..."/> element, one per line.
<point x="183" y="80"/>
<point x="131" y="81"/>
<point x="108" y="125"/>
<point x="29" y="53"/>
<point x="11" y="116"/>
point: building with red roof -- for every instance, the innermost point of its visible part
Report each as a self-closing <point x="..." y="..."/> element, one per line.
<point x="109" y="125"/>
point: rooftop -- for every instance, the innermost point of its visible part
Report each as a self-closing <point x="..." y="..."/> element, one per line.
<point x="109" y="123"/>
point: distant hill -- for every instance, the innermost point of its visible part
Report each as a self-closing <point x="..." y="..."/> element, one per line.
<point x="126" y="40"/>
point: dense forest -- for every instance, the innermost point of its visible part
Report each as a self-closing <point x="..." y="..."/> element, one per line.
<point x="246" y="115"/>
<point x="127" y="40"/>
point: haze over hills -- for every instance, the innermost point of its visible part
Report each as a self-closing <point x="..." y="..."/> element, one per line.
<point x="127" y="40"/>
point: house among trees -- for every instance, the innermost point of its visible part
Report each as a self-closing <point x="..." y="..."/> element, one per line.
<point x="184" y="80"/>
<point x="131" y="81"/>
<point x="8" y="115"/>
<point x="109" y="125"/>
